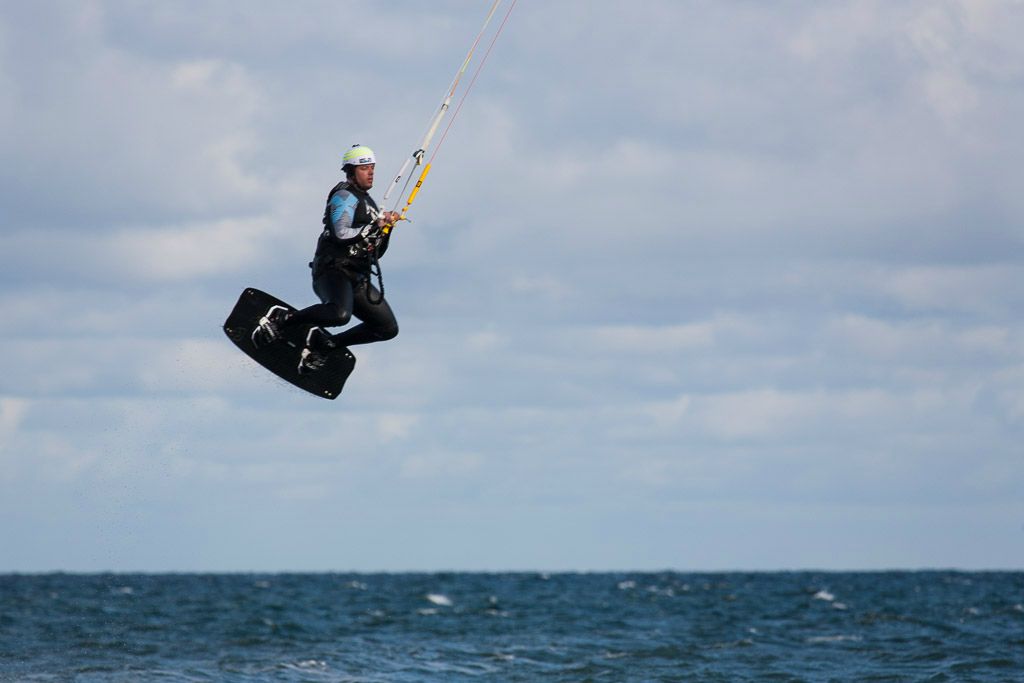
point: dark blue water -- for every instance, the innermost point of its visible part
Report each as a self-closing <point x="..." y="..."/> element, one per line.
<point x="899" y="626"/>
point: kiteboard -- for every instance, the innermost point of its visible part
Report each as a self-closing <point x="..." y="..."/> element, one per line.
<point x="282" y="357"/>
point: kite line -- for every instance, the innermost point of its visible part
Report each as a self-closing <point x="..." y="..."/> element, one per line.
<point x="416" y="159"/>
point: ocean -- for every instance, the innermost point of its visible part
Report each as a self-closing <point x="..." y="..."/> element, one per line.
<point x="785" y="626"/>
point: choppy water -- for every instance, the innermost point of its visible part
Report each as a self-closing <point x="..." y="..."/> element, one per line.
<point x="899" y="626"/>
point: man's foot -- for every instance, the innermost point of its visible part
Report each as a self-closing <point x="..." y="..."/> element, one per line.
<point x="268" y="330"/>
<point x="319" y="345"/>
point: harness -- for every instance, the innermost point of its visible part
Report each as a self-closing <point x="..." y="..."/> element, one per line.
<point x="358" y="257"/>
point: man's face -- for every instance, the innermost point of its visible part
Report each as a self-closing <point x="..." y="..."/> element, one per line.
<point x="363" y="176"/>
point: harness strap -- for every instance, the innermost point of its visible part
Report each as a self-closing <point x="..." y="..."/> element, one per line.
<point x="375" y="266"/>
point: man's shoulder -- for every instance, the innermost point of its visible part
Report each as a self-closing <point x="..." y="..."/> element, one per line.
<point x="342" y="194"/>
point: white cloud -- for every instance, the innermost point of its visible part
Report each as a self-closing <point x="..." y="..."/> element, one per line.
<point x="396" y="427"/>
<point x="768" y="253"/>
<point x="979" y="289"/>
<point x="925" y="342"/>
<point x="654" y="339"/>
<point x="669" y="413"/>
<point x="117" y="135"/>
<point x="759" y="413"/>
<point x="12" y="413"/>
<point x="431" y="465"/>
<point x="187" y="252"/>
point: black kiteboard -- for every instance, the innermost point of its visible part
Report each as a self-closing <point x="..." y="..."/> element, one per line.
<point x="282" y="357"/>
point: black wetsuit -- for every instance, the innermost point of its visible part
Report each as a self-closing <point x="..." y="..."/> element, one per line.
<point x="350" y="243"/>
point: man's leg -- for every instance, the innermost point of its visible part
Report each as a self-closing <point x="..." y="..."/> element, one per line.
<point x="378" y="321"/>
<point x="336" y="294"/>
<point x="336" y="302"/>
<point x="335" y="309"/>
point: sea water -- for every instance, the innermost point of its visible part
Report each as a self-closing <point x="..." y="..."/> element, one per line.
<point x="793" y="626"/>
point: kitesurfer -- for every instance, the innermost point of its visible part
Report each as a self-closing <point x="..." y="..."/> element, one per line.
<point x="352" y="241"/>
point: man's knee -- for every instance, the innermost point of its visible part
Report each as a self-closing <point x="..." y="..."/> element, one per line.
<point x="341" y="314"/>
<point x="387" y="331"/>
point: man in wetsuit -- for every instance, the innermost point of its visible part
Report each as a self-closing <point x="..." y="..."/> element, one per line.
<point x="352" y="240"/>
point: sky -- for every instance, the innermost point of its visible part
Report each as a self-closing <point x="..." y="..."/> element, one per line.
<point x="692" y="285"/>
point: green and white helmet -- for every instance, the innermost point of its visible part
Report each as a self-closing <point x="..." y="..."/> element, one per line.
<point x="359" y="155"/>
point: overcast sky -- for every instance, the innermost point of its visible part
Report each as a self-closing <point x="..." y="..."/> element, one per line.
<point x="692" y="285"/>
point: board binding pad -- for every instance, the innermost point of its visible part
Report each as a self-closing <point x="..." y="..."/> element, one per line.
<point x="282" y="357"/>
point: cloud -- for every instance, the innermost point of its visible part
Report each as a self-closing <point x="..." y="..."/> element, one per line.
<point x="961" y="289"/>
<point x="111" y="136"/>
<point x="430" y="465"/>
<point x="926" y="342"/>
<point x="654" y="339"/>
<point x="12" y="413"/>
<point x="145" y="255"/>
<point x="763" y="254"/>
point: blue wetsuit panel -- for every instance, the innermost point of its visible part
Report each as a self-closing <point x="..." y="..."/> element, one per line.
<point x="343" y="212"/>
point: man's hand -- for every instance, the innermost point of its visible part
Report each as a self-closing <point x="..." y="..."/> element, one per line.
<point x="388" y="218"/>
